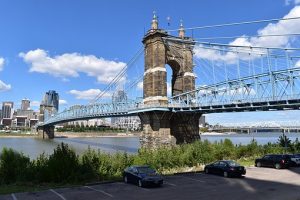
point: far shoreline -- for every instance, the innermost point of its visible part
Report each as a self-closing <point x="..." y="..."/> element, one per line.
<point x="72" y="135"/>
<point x="94" y="135"/>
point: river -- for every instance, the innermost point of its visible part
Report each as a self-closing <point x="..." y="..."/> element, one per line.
<point x="35" y="146"/>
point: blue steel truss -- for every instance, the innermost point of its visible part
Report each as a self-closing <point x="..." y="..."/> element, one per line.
<point x="277" y="90"/>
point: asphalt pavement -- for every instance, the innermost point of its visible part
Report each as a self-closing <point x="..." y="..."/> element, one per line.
<point x="259" y="183"/>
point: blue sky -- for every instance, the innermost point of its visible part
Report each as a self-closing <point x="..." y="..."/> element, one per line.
<point x="75" y="47"/>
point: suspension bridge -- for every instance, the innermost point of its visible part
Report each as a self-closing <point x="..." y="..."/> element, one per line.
<point x="206" y="78"/>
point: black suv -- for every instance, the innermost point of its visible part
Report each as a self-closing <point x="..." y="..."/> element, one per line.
<point x="278" y="161"/>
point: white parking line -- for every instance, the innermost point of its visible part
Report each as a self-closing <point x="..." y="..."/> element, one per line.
<point x="167" y="183"/>
<point x="107" y="194"/>
<point x="193" y="179"/>
<point x="62" y="197"/>
<point x="14" y="196"/>
<point x="145" y="189"/>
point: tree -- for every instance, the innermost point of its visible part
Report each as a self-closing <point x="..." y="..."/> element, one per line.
<point x="284" y="141"/>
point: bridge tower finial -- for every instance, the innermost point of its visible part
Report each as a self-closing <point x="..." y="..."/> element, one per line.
<point x="154" y="24"/>
<point x="181" y="31"/>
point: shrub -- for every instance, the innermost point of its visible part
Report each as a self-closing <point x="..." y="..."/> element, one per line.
<point x="14" y="166"/>
<point x="63" y="164"/>
<point x="90" y="162"/>
<point x="41" y="168"/>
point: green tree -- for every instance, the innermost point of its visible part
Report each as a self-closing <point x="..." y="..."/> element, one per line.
<point x="284" y="141"/>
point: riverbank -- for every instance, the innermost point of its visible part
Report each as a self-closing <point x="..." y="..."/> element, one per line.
<point x="17" y="135"/>
<point x="71" y="135"/>
<point x="216" y="133"/>
<point x="94" y="134"/>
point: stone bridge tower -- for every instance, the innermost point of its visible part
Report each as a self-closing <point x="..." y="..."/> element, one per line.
<point x="166" y="127"/>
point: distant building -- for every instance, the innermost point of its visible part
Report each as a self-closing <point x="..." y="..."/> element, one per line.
<point x="130" y="122"/>
<point x="202" y="122"/>
<point x="118" y="96"/>
<point x="25" y="104"/>
<point x="90" y="122"/>
<point x="49" y="105"/>
<point x="7" y="110"/>
<point x="51" y="98"/>
<point x="46" y="111"/>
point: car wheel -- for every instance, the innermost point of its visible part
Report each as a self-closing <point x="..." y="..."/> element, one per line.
<point x="258" y="164"/>
<point x="277" y="166"/>
<point x="206" y="171"/>
<point x="125" y="179"/>
<point x="140" y="183"/>
<point x="225" y="174"/>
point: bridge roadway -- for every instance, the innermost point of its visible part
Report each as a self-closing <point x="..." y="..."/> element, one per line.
<point x="259" y="183"/>
<point x="133" y="108"/>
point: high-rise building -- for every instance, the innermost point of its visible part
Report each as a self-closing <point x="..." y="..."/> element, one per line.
<point x="118" y="96"/>
<point x="130" y="122"/>
<point x="7" y="109"/>
<point x="25" y="104"/>
<point x="51" y="98"/>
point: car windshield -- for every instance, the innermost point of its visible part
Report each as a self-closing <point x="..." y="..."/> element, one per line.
<point x="233" y="164"/>
<point x="145" y="170"/>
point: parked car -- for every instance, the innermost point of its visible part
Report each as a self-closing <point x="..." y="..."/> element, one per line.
<point x="295" y="159"/>
<point x="142" y="176"/>
<point x="227" y="168"/>
<point x="278" y="161"/>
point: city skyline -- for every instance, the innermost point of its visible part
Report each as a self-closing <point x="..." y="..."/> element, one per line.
<point x="81" y="47"/>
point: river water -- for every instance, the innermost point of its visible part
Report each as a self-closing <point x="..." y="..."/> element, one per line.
<point x="35" y="146"/>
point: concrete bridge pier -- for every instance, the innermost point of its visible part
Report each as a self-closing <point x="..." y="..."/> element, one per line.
<point x="185" y="127"/>
<point x="46" y="132"/>
<point x="162" y="128"/>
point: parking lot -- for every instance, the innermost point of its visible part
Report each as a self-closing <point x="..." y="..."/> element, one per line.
<point x="259" y="183"/>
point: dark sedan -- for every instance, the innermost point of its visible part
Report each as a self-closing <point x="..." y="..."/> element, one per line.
<point x="227" y="168"/>
<point x="277" y="161"/>
<point x="142" y="176"/>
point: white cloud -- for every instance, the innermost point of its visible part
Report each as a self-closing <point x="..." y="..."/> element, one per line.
<point x="87" y="94"/>
<point x="4" y="86"/>
<point x="281" y="27"/>
<point x="140" y="85"/>
<point x="1" y="63"/>
<point x="62" y="102"/>
<point x="35" y="103"/>
<point x="297" y="63"/>
<point x="289" y="2"/>
<point x="71" y="64"/>
<point x="169" y="88"/>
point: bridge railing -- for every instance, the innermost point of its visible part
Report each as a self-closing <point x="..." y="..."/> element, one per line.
<point x="276" y="86"/>
<point x="91" y="111"/>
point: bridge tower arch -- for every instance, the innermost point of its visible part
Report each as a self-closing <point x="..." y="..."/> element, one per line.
<point x="161" y="49"/>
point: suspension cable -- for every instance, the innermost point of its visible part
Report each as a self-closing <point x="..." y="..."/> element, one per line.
<point x="250" y="36"/>
<point x="236" y="23"/>
<point x="120" y="75"/>
<point x="230" y="45"/>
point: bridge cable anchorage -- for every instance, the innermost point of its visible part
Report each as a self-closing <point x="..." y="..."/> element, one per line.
<point x="119" y="76"/>
<point x="236" y="23"/>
